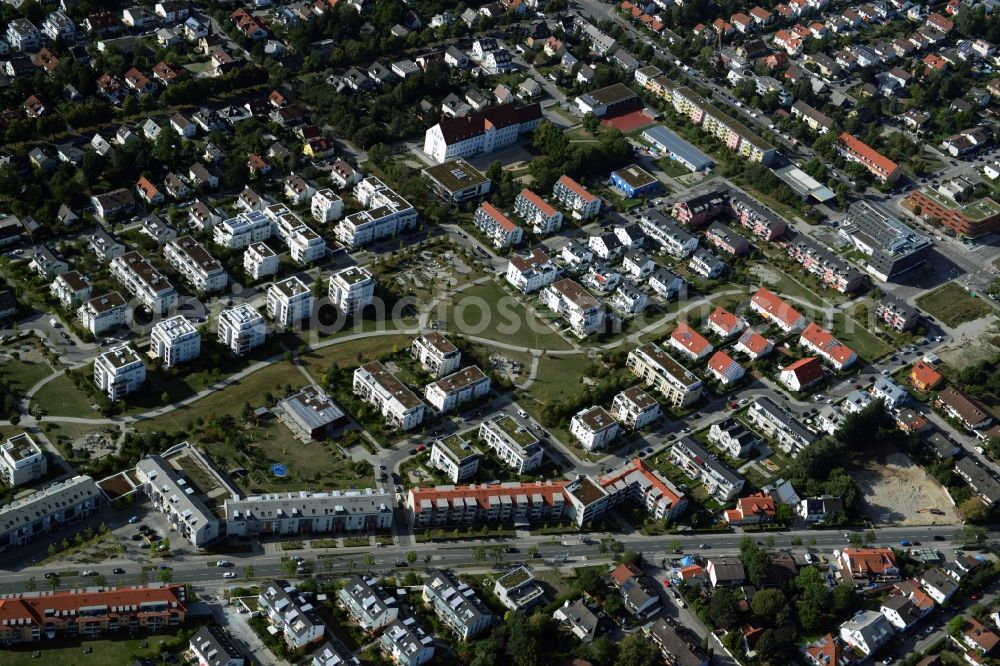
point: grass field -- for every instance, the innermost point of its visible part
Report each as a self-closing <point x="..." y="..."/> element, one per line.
<point x="110" y="652"/>
<point x="787" y="286"/>
<point x="858" y="338"/>
<point x="487" y="311"/>
<point x="23" y="374"/>
<point x="953" y="305"/>
<point x="352" y="353"/>
<point x="61" y="397"/>
<point x="558" y="377"/>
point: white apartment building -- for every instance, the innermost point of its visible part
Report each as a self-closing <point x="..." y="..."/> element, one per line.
<point x="260" y="261"/>
<point x="175" y="341"/>
<point x="400" y="406"/>
<point x="304" y="511"/>
<point x="368" y="603"/>
<point x="532" y="272"/>
<point x="22" y="35"/>
<point x="594" y="428"/>
<point x="306" y="246"/>
<point x="292" y="614"/>
<point x="635" y="409"/>
<point x="326" y="206"/>
<point x="289" y="301"/>
<point x="576" y="198"/>
<point x="241" y="328"/>
<point x="172" y="496"/>
<point x="436" y="354"/>
<point x="455" y="457"/>
<point x="662" y="372"/>
<point x="386" y="214"/>
<point x="239" y="232"/>
<point x="195" y="265"/>
<point x="719" y="479"/>
<point x="72" y="289"/>
<point x="21" y="460"/>
<point x="144" y="282"/>
<point x="581" y="310"/>
<point x="103" y="313"/>
<point x="514" y="444"/>
<point x="119" y="371"/>
<point x="457" y="388"/>
<point x="57" y="25"/>
<point x="456" y="604"/>
<point x="407" y="643"/>
<point x="543" y="218"/>
<point x="351" y="289"/>
<point x="496" y="226"/>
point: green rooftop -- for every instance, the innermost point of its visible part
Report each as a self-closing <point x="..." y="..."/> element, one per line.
<point x="516" y="431"/>
<point x="457" y="446"/>
<point x="516" y="577"/>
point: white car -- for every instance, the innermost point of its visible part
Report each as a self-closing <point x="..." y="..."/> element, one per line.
<point x="229" y="574"/>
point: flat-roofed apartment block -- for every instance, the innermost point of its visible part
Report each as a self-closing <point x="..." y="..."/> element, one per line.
<point x="326" y="206"/>
<point x="661" y="371"/>
<point x="456" y="604"/>
<point x="351" y="289"/>
<point x="172" y="495"/>
<point x="175" y="341"/>
<point x="103" y="313"/>
<point x="635" y="409"/>
<point x="734" y="134"/>
<point x="195" y="265"/>
<point x="594" y="428"/>
<point x="212" y="646"/>
<point x="260" y="261"/>
<point x="518" y="503"/>
<point x="878" y="165"/>
<point x="291" y="613"/>
<point x="531" y="272"/>
<point x="457" y="389"/>
<point x="586" y="500"/>
<point x="776" y="423"/>
<point x="21" y="460"/>
<point x="722" y="482"/>
<point x="457" y="181"/>
<point x="239" y="232"/>
<point x="32" y="617"/>
<point x="455" y="457"/>
<point x="582" y="204"/>
<point x="72" y="289"/>
<point x="892" y="247"/>
<point x="119" y="372"/>
<point x="407" y="643"/>
<point x="400" y="406"/>
<point x="516" y="446"/>
<point x="289" y="301"/>
<point x="386" y="214"/>
<point x="635" y="181"/>
<point x="368" y="603"/>
<point x="306" y="246"/>
<point x="496" y="226"/>
<point x="241" y="328"/>
<point x="57" y="506"/>
<point x="518" y="590"/>
<point x="637" y="482"/>
<point x="582" y="311"/>
<point x="312" y="412"/>
<point x="144" y="282"/>
<point x="306" y="512"/>
<point x="534" y="210"/>
<point x="436" y="354"/>
<point x="898" y="315"/>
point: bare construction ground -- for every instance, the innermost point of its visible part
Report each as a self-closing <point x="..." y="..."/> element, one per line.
<point x="896" y="491"/>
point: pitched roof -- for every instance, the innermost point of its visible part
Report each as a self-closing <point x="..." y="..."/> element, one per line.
<point x="690" y="339"/>
<point x="775" y="306"/>
<point x="455" y="130"/>
<point x="806" y="370"/>
<point x="538" y="202"/>
<point x="828" y="345"/>
<point x="724" y="319"/>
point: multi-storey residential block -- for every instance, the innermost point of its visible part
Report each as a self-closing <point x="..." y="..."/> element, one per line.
<point x="480" y="133"/>
<point x="896" y="314"/>
<point x="407" y="643"/>
<point x="496" y="226"/>
<point x="59" y="26"/>
<point x="572" y="195"/>
<point x="664" y="232"/>
<point x="351" y="289"/>
<point x="891" y="246"/>
<point x="637" y="482"/>
<point x="457" y="388"/>
<point x="169" y="491"/>
<point x="291" y="613"/>
<point x="635" y="409"/>
<point x="455" y="457"/>
<point x="387" y="214"/>
<point x="326" y="206"/>
<point x="581" y="310"/>
<point x="726" y="240"/>
<point x="334" y="653"/>
<point x="306" y="246"/>
<point x="175" y="341"/>
<point x="260" y="261"/>
<point x="119" y="371"/>
<point x="486" y="503"/>
<point x="241" y="328"/>
<point x="457" y="181"/>
<point x="239" y="232"/>
<point x="518" y="590"/>
<point x="104" y="246"/>
<point x="436" y="354"/>
<point x="21" y="460"/>
<point x="817" y="121"/>
<point x="776" y="423"/>
<point x="196" y="266"/>
<point x="594" y="428"/>
<point x="103" y="313"/>
<point x="456" y="604"/>
<point x="722" y="482"/>
<point x="303" y="511"/>
<point x="532" y="272"/>
<point x="771" y="307"/>
<point x="289" y="301"/>
<point x="543" y="218"/>
<point x="662" y="372"/>
<point x="761" y="221"/>
<point x="867" y="631"/>
<point x="71" y="288"/>
<point x="732" y="437"/>
<point x="514" y="444"/>
<point x="144" y="282"/>
<point x="58" y="506"/>
<point x="22" y="35"/>
<point x="734" y="134"/>
<point x="828" y="268"/>
<point x="854" y="150"/>
<point x="368" y="603"/>
<point x="46" y="263"/>
<point x="400" y="406"/>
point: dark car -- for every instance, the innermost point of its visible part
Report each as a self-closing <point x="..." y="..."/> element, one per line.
<point x="938" y="537"/>
<point x="401" y="563"/>
<point x="118" y="570"/>
<point x="50" y="575"/>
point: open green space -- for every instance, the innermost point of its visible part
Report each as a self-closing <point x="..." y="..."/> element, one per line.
<point x="487" y="311"/>
<point x="673" y="168"/>
<point x="953" y="305"/>
<point x="60" y="397"/>
<point x="101" y="652"/>
<point x="353" y="352"/>
<point x="857" y="337"/>
<point x="788" y="286"/>
<point x="558" y="377"/>
<point x="23" y="374"/>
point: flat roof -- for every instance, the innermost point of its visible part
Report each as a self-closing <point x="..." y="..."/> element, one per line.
<point x="618" y="92"/>
<point x="635" y="175"/>
<point x="675" y="145"/>
<point x="804" y="184"/>
<point x="456" y="175"/>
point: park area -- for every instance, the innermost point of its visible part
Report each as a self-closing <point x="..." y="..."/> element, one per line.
<point x="76" y="651"/>
<point x="953" y="305"/>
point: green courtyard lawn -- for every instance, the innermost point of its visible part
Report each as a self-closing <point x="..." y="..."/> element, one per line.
<point x="22" y="374"/>
<point x="789" y="286"/>
<point x="355" y="352"/>
<point x="953" y="305"/>
<point x="853" y="334"/>
<point x="110" y="652"/>
<point x="60" y="397"/>
<point x="488" y="311"/>
<point x="558" y="377"/>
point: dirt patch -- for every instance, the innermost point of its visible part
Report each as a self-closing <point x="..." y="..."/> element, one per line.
<point x="896" y="491"/>
<point x="974" y="341"/>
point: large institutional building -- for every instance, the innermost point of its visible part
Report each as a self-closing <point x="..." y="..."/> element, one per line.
<point x="480" y="133"/>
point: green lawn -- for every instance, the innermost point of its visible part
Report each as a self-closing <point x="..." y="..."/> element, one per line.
<point x="61" y="397"/>
<point x="953" y="305"/>
<point x="673" y="167"/>
<point x="351" y="353"/>
<point x="487" y="311"/>
<point x="858" y="338"/>
<point x="110" y="652"/>
<point x="23" y="374"/>
<point x="787" y="286"/>
<point x="558" y="377"/>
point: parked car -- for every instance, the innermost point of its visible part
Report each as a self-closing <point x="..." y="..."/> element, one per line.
<point x="229" y="574"/>
<point x="117" y="570"/>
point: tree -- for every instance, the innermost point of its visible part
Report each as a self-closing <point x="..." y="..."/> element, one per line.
<point x="635" y="650"/>
<point x="165" y="575"/>
<point x="369" y="561"/>
<point x="53" y="581"/>
<point x="288" y="565"/>
<point x="479" y="554"/>
<point x="723" y="609"/>
<point x="100" y="580"/>
<point x="248" y="572"/>
<point x="955" y="626"/>
<point x="613" y="604"/>
<point x="411" y="557"/>
<point x="143" y="577"/>
<point x="29" y="584"/>
<point x="591" y="123"/>
<point x="522" y="647"/>
<point x="771" y="606"/>
<point x="754" y="560"/>
<point x="855" y="539"/>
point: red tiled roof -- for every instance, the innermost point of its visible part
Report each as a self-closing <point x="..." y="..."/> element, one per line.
<point x="870" y="560"/>
<point x="498" y="217"/>
<point x="455" y="130"/>
<point x="772" y="304"/>
<point x="481" y="493"/>
<point x="576" y="188"/>
<point x="538" y="202"/>
<point x="625" y="572"/>
<point x="720" y="361"/>
<point x="859" y="147"/>
<point x="724" y="319"/>
<point x="690" y="339"/>
<point x="806" y="370"/>
<point x="638" y="465"/>
<point x="753" y="341"/>
<point x="828" y="345"/>
<point x="925" y="374"/>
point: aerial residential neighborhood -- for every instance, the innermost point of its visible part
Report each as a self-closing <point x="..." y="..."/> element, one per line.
<point x="565" y="332"/>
